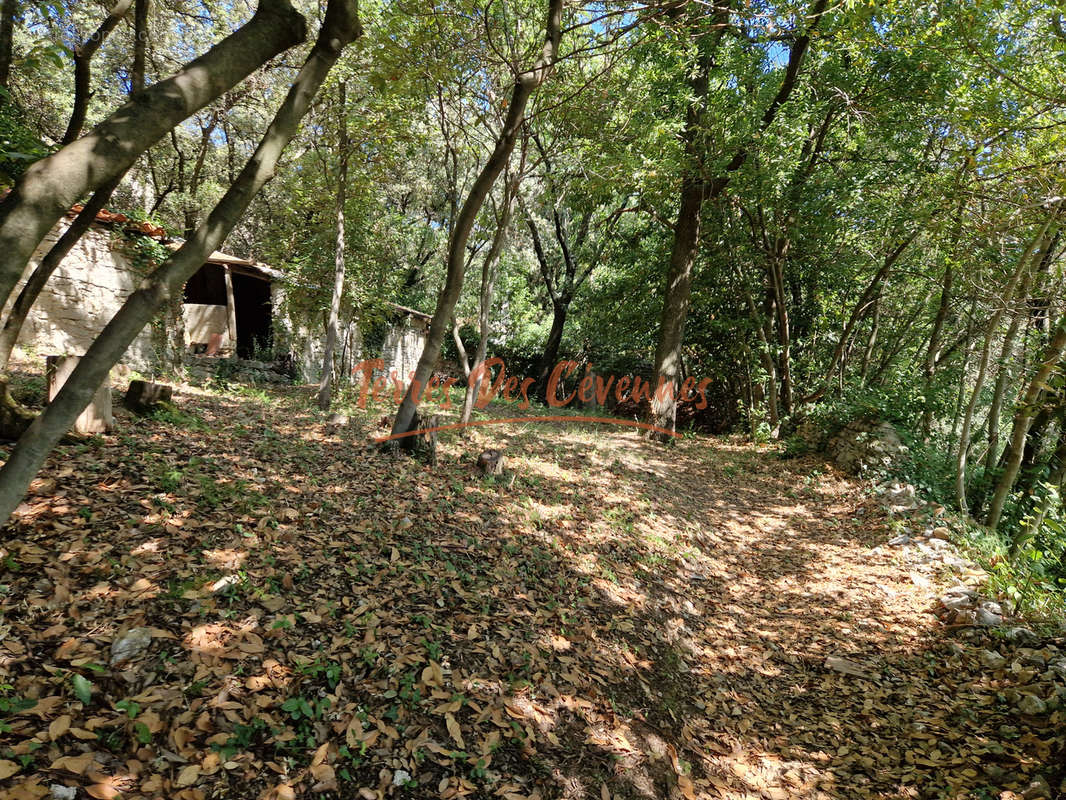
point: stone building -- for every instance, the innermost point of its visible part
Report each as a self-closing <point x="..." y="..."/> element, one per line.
<point x="232" y="307"/>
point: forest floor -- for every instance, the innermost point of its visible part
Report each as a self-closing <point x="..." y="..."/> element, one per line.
<point x="609" y="619"/>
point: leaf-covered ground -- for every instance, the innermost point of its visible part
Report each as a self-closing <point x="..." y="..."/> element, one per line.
<point x="611" y="619"/>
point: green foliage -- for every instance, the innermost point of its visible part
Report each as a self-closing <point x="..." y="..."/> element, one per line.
<point x="83" y="688"/>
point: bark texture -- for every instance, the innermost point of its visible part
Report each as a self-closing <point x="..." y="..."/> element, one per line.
<point x="325" y="386"/>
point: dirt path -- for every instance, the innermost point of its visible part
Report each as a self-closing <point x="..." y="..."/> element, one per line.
<point x="614" y="620"/>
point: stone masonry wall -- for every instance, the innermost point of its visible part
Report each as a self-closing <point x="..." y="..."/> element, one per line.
<point x="81" y="297"/>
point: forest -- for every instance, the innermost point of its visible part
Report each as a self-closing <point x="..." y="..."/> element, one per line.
<point x="678" y="267"/>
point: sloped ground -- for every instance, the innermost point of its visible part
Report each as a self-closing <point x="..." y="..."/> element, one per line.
<point x="614" y="619"/>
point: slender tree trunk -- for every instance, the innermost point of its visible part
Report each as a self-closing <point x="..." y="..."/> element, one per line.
<point x="488" y="288"/>
<point x="560" y="309"/>
<point x="982" y="369"/>
<point x="933" y="350"/>
<point x="1023" y="418"/>
<point x="340" y="27"/>
<point x="8" y="12"/>
<point x="784" y="332"/>
<point x="960" y="395"/>
<point x="1055" y="478"/>
<point x="48" y="189"/>
<point x="525" y="84"/>
<point x="686" y="236"/>
<point x="83" y="56"/>
<point x="996" y="408"/>
<point x="1006" y="356"/>
<point x="324" y="387"/>
<point x="140" y="42"/>
<point x="766" y="356"/>
<point x="871" y="343"/>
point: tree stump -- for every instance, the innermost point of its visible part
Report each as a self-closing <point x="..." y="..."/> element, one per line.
<point x="144" y="396"/>
<point x="424" y="442"/>
<point x="336" y="422"/>
<point x="491" y="462"/>
<point x="96" y="418"/>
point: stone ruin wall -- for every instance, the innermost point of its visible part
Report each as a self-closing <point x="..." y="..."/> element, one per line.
<point x="81" y="297"/>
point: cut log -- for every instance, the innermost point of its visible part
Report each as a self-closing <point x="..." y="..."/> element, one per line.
<point x="145" y="396"/>
<point x="491" y="462"/>
<point x="96" y="418"/>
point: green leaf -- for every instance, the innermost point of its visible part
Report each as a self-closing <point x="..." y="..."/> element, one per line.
<point x="83" y="688"/>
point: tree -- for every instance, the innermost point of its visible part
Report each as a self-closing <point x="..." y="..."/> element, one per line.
<point x="339" y="27"/>
<point x="52" y="185"/>
<point x="333" y="322"/>
<point x="525" y="83"/>
<point x="695" y="190"/>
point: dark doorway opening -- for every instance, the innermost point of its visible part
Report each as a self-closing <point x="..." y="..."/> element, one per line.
<point x="207" y="286"/>
<point x="251" y="297"/>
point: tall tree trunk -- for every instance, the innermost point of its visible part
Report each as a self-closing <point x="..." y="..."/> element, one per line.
<point x="784" y="332"/>
<point x="695" y="190"/>
<point x="1023" y="417"/>
<point x="140" y="42"/>
<point x="933" y="349"/>
<point x="488" y="289"/>
<point x="339" y="27"/>
<point x="8" y="12"/>
<point x="49" y="187"/>
<point x="686" y="233"/>
<point x="525" y="84"/>
<point x="325" y="385"/>
<point x="982" y="369"/>
<point x="1007" y="351"/>
<point x="83" y="56"/>
<point x="871" y="343"/>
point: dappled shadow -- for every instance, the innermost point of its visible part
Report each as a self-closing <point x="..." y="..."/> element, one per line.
<point x="613" y="618"/>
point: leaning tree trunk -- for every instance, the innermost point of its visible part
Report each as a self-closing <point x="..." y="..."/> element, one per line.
<point x="525" y="84"/>
<point x="1005" y="353"/>
<point x="1023" y="418"/>
<point x="326" y="383"/>
<point x="48" y="189"/>
<point x="982" y="368"/>
<point x="1055" y="478"/>
<point x="340" y="27"/>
